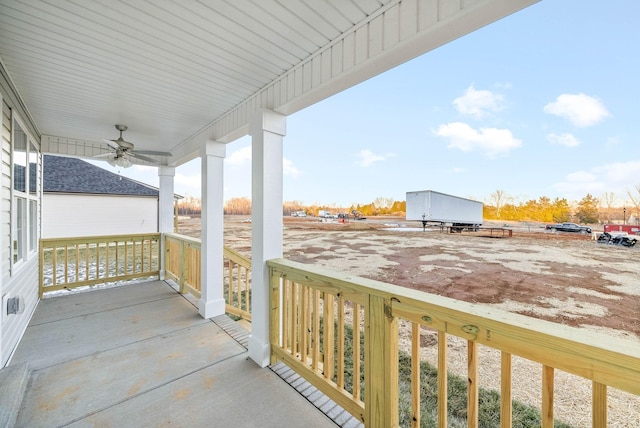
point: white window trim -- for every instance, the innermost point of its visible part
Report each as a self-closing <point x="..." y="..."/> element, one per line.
<point x="27" y="252"/>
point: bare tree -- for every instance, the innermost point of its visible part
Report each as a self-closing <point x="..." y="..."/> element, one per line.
<point x="498" y="199"/>
<point x="635" y="200"/>
<point x="383" y="203"/>
<point x="238" y="206"/>
<point x="608" y="200"/>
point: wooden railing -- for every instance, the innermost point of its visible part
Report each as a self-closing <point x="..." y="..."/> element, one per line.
<point x="342" y="334"/>
<point x="237" y="284"/>
<point x="67" y="263"/>
<point x="183" y="265"/>
<point x="182" y="262"/>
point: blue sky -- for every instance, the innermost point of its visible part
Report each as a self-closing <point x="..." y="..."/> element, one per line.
<point x="541" y="103"/>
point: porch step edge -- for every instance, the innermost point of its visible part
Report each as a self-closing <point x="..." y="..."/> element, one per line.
<point x="335" y="412"/>
<point x="233" y="329"/>
<point x="13" y="387"/>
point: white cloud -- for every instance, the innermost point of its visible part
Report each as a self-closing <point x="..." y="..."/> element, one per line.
<point x="579" y="109"/>
<point x="479" y="103"/>
<point x="289" y="169"/>
<point x="239" y="157"/>
<point x="457" y="170"/>
<point x="621" y="174"/>
<point x="612" y="142"/>
<point x="242" y="158"/>
<point x="368" y="158"/>
<point x="617" y="177"/>
<point x="565" y="139"/>
<point x="490" y="140"/>
<point x="191" y="182"/>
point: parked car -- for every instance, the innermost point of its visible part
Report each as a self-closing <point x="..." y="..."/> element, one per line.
<point x="568" y="227"/>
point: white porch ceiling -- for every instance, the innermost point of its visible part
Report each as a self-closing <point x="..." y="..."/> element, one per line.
<point x="178" y="73"/>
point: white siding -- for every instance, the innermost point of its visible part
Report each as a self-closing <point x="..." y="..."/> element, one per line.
<point x="71" y="215"/>
<point x="5" y="193"/>
<point x="24" y="283"/>
<point x="21" y="281"/>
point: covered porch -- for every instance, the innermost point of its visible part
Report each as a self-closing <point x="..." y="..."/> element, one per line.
<point x="140" y="355"/>
<point x="188" y="80"/>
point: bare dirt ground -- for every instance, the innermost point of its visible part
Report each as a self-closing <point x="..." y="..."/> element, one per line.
<point x="564" y="278"/>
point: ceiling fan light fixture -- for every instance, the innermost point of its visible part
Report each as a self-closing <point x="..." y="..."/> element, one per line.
<point x="119" y="161"/>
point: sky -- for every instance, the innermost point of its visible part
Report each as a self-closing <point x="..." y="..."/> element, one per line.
<point x="541" y="103"/>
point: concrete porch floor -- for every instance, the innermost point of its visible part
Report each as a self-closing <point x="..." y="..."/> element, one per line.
<point x="141" y="356"/>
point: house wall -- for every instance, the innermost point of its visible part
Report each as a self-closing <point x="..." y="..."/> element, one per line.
<point x="19" y="280"/>
<point x="5" y="195"/>
<point x="71" y="215"/>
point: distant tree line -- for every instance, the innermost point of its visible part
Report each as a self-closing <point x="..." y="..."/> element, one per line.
<point x="499" y="206"/>
<point x="588" y="210"/>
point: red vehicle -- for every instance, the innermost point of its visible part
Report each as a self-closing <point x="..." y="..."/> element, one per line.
<point x="631" y="229"/>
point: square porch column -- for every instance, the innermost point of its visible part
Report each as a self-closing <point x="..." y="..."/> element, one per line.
<point x="166" y="198"/>
<point x="165" y="207"/>
<point x="267" y="130"/>
<point x="211" y="301"/>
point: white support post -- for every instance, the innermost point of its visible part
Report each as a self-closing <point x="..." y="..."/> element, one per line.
<point x="165" y="199"/>
<point x="211" y="301"/>
<point x="267" y="130"/>
<point x="165" y="208"/>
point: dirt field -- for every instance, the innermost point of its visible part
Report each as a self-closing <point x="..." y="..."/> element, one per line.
<point x="564" y="278"/>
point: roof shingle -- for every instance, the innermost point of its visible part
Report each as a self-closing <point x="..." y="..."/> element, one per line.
<point x="70" y="175"/>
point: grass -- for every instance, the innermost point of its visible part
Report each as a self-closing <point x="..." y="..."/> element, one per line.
<point x="524" y="416"/>
<point x="489" y="401"/>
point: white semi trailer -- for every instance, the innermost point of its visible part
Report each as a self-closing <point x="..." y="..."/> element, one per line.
<point x="458" y="213"/>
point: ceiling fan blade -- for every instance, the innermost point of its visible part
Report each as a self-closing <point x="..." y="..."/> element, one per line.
<point x="106" y="155"/>
<point x="152" y="152"/>
<point x="143" y="158"/>
<point x="112" y="143"/>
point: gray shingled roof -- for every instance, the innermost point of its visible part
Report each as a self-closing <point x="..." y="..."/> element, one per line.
<point x="70" y="175"/>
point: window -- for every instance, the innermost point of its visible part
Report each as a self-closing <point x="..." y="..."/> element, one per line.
<point x="26" y="195"/>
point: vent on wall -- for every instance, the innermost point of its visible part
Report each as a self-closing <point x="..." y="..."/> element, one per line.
<point x="12" y="305"/>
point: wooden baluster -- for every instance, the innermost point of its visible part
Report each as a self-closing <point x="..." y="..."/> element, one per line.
<point x="547" y="396"/>
<point x="415" y="374"/>
<point x="293" y="308"/>
<point x="315" y="340"/>
<point x="304" y="324"/>
<point x="275" y="317"/>
<point x="599" y="405"/>
<point x="55" y="266"/>
<point x="442" y="379"/>
<point x="357" y="366"/>
<point x="472" y="401"/>
<point x="117" y="261"/>
<point x="230" y="283"/>
<point x="329" y="336"/>
<point x="86" y="261"/>
<point x="77" y="263"/>
<point x="340" y="373"/>
<point x="106" y="262"/>
<point x="506" y="412"/>
<point x="286" y="285"/>
<point x="66" y="264"/>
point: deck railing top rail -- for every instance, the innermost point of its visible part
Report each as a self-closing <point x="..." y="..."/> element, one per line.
<point x="98" y="238"/>
<point x="184" y="238"/>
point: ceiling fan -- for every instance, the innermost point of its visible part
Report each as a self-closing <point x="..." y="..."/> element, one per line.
<point x="124" y="150"/>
